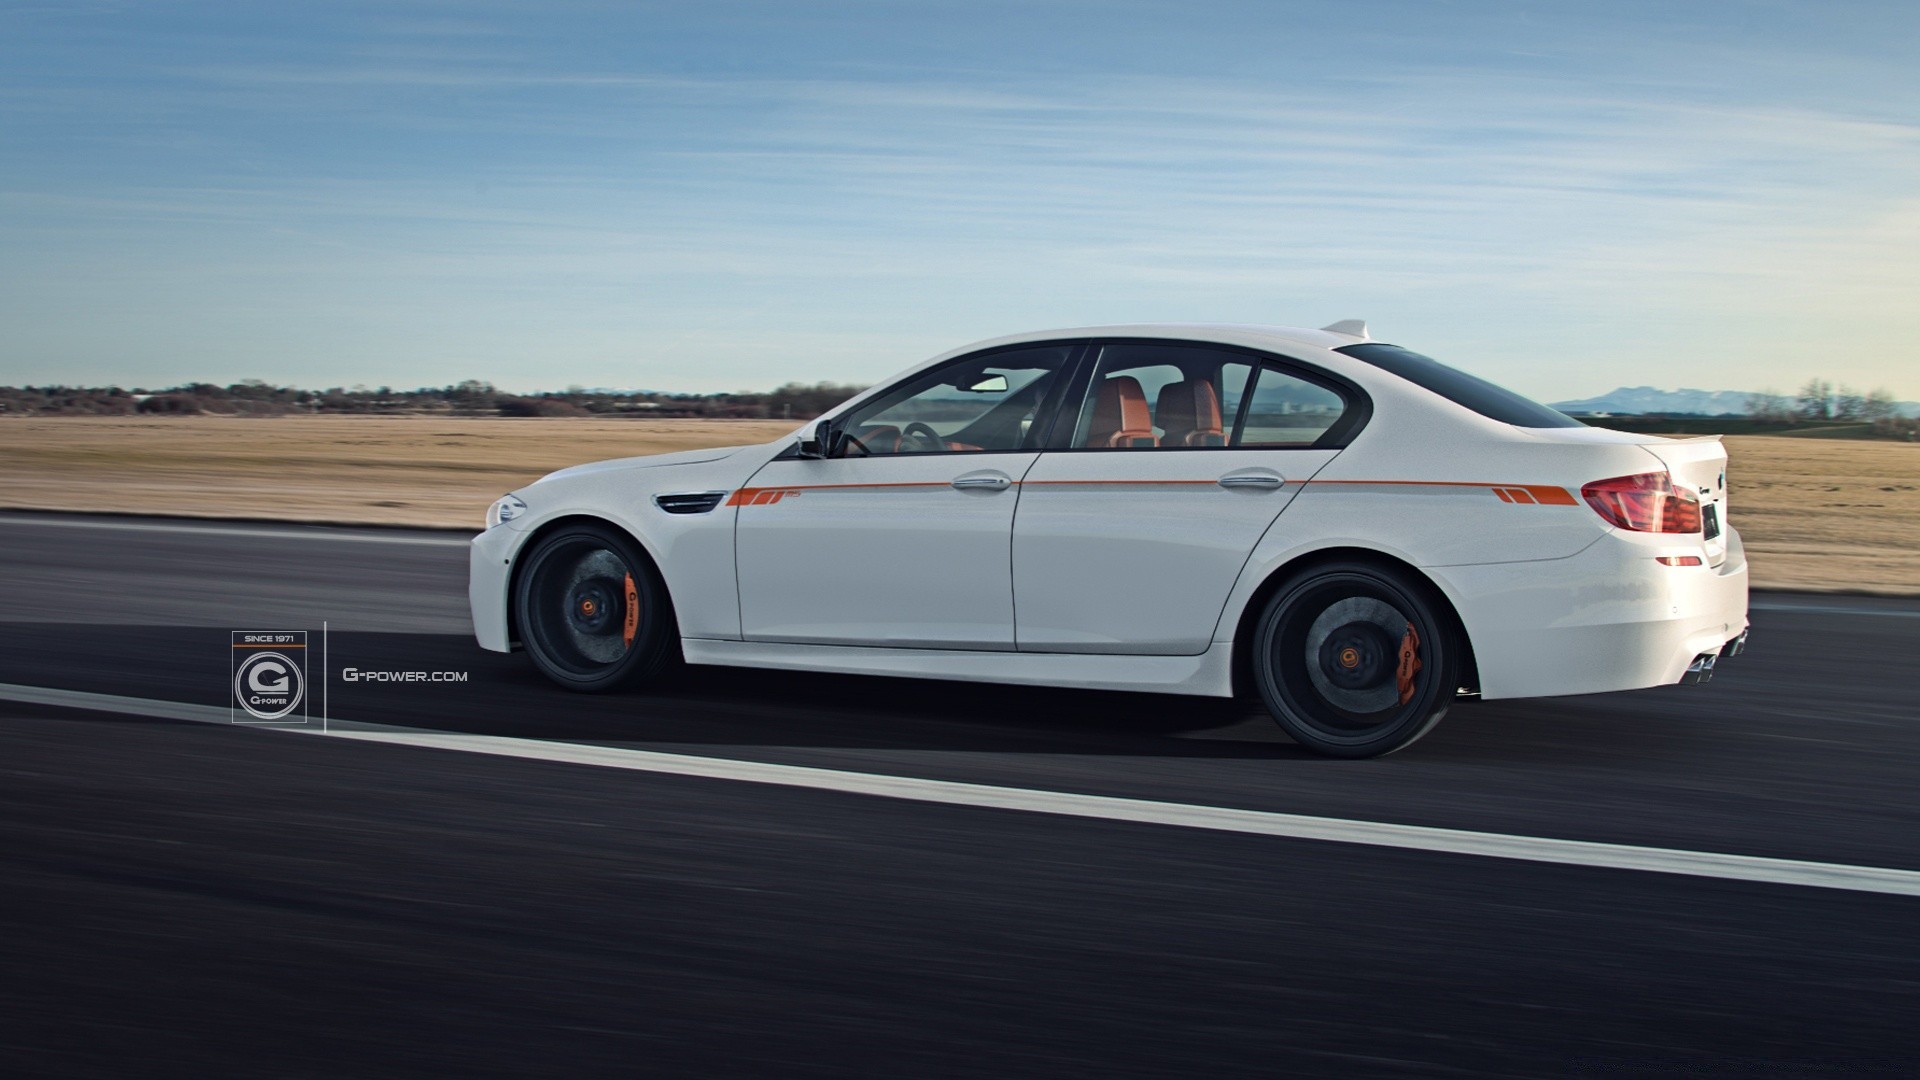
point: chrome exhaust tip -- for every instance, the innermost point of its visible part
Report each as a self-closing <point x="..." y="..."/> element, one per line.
<point x="1735" y="647"/>
<point x="1700" y="670"/>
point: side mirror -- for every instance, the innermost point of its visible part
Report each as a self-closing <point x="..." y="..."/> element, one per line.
<point x="821" y="445"/>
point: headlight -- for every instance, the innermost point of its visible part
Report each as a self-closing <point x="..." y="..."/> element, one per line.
<point x="504" y="508"/>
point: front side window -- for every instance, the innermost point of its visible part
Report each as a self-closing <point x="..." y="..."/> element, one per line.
<point x="1177" y="396"/>
<point x="979" y="403"/>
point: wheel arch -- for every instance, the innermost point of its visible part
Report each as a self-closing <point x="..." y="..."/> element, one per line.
<point x="560" y="521"/>
<point x="1249" y="615"/>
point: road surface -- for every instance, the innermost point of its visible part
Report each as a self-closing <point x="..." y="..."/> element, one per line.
<point x="232" y="899"/>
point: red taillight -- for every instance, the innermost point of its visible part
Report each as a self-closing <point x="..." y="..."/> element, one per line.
<point x="1646" y="502"/>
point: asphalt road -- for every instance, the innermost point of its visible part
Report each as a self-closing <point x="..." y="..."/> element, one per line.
<point x="235" y="900"/>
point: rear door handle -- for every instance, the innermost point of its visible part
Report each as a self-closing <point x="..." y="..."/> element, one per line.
<point x="983" y="481"/>
<point x="1252" y="480"/>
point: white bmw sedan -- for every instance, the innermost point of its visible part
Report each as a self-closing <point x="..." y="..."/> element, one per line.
<point x="1352" y="533"/>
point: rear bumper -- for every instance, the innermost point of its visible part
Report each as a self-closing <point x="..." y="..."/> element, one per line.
<point x="1609" y="618"/>
<point x="1701" y="670"/>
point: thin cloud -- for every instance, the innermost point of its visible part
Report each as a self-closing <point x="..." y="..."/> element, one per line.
<point x="428" y="172"/>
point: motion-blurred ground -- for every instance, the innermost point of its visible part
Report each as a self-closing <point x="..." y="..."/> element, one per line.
<point x="357" y="470"/>
<point x="1816" y="514"/>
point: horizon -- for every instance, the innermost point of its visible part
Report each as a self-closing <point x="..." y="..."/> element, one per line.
<point x="1565" y="201"/>
<point x="138" y="390"/>
<point x="1788" y="391"/>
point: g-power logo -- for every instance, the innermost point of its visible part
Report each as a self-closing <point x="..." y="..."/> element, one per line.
<point x="269" y="677"/>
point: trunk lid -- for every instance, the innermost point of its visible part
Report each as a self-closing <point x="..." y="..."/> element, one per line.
<point x="1700" y="466"/>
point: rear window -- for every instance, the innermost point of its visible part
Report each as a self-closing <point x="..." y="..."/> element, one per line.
<point x="1490" y="400"/>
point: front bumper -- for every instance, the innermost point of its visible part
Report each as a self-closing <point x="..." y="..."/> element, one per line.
<point x="1609" y="618"/>
<point x="489" y="565"/>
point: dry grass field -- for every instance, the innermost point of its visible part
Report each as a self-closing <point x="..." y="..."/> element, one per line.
<point x="1828" y="515"/>
<point x="350" y="469"/>
<point x="1816" y="514"/>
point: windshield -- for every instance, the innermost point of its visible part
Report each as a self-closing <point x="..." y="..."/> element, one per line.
<point x="1490" y="400"/>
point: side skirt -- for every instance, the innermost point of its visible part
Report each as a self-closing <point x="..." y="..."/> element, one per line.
<point x="1206" y="675"/>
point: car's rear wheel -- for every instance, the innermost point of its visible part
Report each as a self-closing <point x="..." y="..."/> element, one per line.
<point x="591" y="611"/>
<point x="1355" y="660"/>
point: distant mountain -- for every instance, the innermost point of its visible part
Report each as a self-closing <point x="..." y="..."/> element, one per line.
<point x="1640" y="400"/>
<point x="1636" y="400"/>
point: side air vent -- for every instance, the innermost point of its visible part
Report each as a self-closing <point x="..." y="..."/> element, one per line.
<point x="689" y="502"/>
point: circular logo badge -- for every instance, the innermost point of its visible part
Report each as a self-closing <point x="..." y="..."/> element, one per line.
<point x="268" y="685"/>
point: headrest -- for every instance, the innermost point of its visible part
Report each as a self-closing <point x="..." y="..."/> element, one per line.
<point x="1189" y="412"/>
<point x="1120" y="409"/>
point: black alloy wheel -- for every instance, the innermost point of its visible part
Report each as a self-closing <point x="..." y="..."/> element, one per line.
<point x="591" y="611"/>
<point x="1355" y="660"/>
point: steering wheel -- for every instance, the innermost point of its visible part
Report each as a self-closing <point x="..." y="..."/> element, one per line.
<point x="920" y="432"/>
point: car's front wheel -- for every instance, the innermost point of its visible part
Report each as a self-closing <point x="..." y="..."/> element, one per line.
<point x="591" y="611"/>
<point x="1355" y="660"/>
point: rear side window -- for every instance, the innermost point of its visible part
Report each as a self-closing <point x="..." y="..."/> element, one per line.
<point x="1287" y="411"/>
<point x="1490" y="400"/>
<point x="1175" y="395"/>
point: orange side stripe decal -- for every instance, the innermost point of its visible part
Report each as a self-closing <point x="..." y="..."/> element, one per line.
<point x="1157" y="483"/>
<point x="1518" y="494"/>
<point x="1548" y="495"/>
<point x="1542" y="494"/>
<point x="768" y="496"/>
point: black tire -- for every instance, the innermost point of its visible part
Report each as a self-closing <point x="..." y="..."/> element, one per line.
<point x="570" y="606"/>
<point x="1327" y="659"/>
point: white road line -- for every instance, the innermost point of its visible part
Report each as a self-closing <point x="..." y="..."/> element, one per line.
<point x="1834" y="609"/>
<point x="293" y="532"/>
<point x="1869" y="879"/>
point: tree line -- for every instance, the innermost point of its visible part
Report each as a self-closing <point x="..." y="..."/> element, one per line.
<point x="1819" y="400"/>
<point x="254" y="397"/>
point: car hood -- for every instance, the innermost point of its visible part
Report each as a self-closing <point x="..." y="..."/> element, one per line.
<point x="647" y="461"/>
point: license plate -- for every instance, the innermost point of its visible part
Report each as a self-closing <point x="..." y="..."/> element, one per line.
<point x="1710" y="522"/>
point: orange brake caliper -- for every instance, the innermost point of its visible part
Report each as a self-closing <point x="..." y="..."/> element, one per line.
<point x="632" y="624"/>
<point x="1409" y="663"/>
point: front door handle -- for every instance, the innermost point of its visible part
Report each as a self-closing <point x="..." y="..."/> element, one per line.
<point x="983" y="481"/>
<point x="1252" y="480"/>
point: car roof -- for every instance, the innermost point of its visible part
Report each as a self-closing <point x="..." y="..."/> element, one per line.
<point x="1252" y="334"/>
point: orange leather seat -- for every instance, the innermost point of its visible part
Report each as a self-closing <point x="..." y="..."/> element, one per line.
<point x="1120" y="415"/>
<point x="1189" y="413"/>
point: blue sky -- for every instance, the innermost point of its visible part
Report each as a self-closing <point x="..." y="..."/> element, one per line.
<point x="1565" y="197"/>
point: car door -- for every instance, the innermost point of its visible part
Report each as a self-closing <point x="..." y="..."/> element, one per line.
<point x="1134" y="526"/>
<point x="900" y="537"/>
